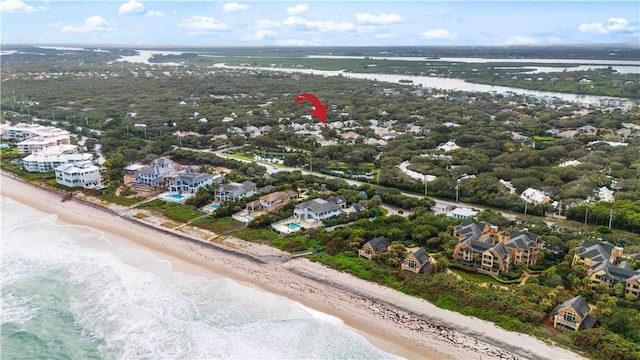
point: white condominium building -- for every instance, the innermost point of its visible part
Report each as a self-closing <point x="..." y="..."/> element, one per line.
<point x="83" y="174"/>
<point x="35" y="137"/>
<point x="49" y="158"/>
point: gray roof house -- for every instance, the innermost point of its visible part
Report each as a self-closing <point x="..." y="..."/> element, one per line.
<point x="154" y="174"/>
<point x="189" y="182"/>
<point x="418" y="261"/>
<point x="235" y="191"/>
<point x="373" y="247"/>
<point x="316" y="210"/>
<point x="573" y="314"/>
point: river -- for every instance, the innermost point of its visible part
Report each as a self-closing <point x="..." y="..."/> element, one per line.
<point x="621" y="66"/>
<point x="436" y="83"/>
<point x="425" y="81"/>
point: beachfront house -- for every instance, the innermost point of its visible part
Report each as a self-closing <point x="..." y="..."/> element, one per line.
<point x="418" y="261"/>
<point x="272" y="201"/>
<point x="316" y="210"/>
<point x="155" y="174"/>
<point x="83" y="174"/>
<point x="235" y="191"/>
<point x="573" y="315"/>
<point x="189" y="182"/>
<point x="374" y="246"/>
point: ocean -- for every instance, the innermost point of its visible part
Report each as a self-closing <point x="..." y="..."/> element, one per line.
<point x="69" y="293"/>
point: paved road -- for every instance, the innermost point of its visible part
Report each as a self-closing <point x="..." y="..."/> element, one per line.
<point x="440" y="207"/>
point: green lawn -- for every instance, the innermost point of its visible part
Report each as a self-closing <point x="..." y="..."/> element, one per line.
<point x="173" y="211"/>
<point x="544" y="138"/>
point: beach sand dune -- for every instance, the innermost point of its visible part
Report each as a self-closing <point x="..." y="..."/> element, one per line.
<point x="395" y="322"/>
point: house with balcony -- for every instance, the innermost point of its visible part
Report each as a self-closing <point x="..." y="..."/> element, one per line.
<point x="316" y="210"/>
<point x="523" y="245"/>
<point x="235" y="191"/>
<point x="572" y="315"/>
<point x="417" y="262"/>
<point x="189" y="182"/>
<point x="155" y="174"/>
<point x="599" y="259"/>
<point x="50" y="158"/>
<point x="83" y="174"/>
<point x="272" y="201"/>
<point x="374" y="246"/>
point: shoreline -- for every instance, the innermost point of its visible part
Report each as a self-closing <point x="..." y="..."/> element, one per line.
<point x="394" y="322"/>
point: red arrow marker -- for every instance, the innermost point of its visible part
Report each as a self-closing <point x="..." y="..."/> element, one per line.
<point x="319" y="110"/>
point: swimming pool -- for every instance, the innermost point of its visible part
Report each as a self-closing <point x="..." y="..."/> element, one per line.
<point x="294" y="226"/>
<point x="249" y="216"/>
<point x="176" y="196"/>
<point x="214" y="207"/>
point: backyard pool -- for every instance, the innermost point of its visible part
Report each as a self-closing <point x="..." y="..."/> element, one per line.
<point x="214" y="207"/>
<point x="294" y="226"/>
<point x="249" y="216"/>
<point x="176" y="196"/>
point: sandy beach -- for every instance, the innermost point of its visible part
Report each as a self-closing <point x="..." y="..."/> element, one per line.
<point x="395" y="322"/>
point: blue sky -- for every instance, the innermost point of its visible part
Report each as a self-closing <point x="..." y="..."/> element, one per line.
<point x="325" y="23"/>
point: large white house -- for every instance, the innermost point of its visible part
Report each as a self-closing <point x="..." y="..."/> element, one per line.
<point x="50" y="158"/>
<point x="83" y="174"/>
<point x="316" y="210"/>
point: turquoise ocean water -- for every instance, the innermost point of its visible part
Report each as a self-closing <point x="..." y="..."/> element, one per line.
<point x="68" y="293"/>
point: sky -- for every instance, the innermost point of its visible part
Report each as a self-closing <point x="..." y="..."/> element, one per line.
<point x="319" y="23"/>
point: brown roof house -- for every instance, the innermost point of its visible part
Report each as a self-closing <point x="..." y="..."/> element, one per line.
<point x="573" y="315"/>
<point x="417" y="262"/>
<point x="374" y="246"/>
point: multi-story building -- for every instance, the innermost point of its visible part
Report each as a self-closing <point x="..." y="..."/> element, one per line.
<point x="272" y="201"/>
<point x="189" y="182"/>
<point x="235" y="191"/>
<point x="36" y="144"/>
<point x="83" y="174"/>
<point x="486" y="249"/>
<point x="316" y="210"/>
<point x="48" y="159"/>
<point x="155" y="174"/>
<point x="35" y="137"/>
<point x="599" y="258"/>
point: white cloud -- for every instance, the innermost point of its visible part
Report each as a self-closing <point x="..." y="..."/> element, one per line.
<point x="17" y="5"/>
<point x="384" y="36"/>
<point x="297" y="9"/>
<point x="613" y="25"/>
<point x="202" y="24"/>
<point x="322" y="26"/>
<point x="437" y="34"/>
<point x="131" y="7"/>
<point x="367" y="18"/>
<point x="266" y="24"/>
<point x="92" y="23"/>
<point x="154" y="13"/>
<point x="260" y="35"/>
<point x="234" y="6"/>
<point x="521" y="40"/>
